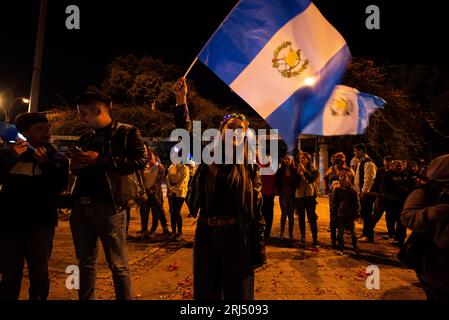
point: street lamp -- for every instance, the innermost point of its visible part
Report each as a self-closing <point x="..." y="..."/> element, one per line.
<point x="3" y="111"/>
<point x="20" y="105"/>
<point x="9" y="110"/>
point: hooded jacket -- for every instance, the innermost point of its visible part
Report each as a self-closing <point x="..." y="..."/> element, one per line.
<point x="426" y="211"/>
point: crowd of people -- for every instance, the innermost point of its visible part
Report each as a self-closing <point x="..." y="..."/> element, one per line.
<point x="233" y="204"/>
<point x="357" y="191"/>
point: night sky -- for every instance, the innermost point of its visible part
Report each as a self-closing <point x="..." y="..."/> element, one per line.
<point x="177" y="30"/>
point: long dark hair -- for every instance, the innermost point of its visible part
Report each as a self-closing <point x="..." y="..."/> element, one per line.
<point x="283" y="168"/>
<point x="238" y="180"/>
<point x="309" y="165"/>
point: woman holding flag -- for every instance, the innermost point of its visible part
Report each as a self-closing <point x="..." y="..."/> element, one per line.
<point x="226" y="199"/>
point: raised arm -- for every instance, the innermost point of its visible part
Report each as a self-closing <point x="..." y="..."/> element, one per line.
<point x="180" y="111"/>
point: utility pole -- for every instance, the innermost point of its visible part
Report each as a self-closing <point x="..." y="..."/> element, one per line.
<point x="35" y="82"/>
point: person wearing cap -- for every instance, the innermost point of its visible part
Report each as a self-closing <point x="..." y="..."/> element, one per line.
<point x="426" y="213"/>
<point x="227" y="199"/>
<point x="32" y="175"/>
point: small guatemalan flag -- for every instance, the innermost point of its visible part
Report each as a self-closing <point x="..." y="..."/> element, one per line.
<point x="346" y="113"/>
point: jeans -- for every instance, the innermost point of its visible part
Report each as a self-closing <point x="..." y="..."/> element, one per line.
<point x="268" y="213"/>
<point x="144" y="210"/>
<point x="35" y="247"/>
<point x="221" y="264"/>
<point x="379" y="210"/>
<point x="128" y="218"/>
<point x="89" y="222"/>
<point x="346" y="224"/>
<point x="307" y="205"/>
<point x="334" y="228"/>
<point x="175" y="212"/>
<point x="366" y="213"/>
<point x="396" y="227"/>
<point x="157" y="207"/>
<point x="287" y="203"/>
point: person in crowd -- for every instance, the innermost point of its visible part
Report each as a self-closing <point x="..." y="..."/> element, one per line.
<point x="412" y="174"/>
<point x="32" y="175"/>
<point x="306" y="195"/>
<point x="154" y="175"/>
<point x="109" y="153"/>
<point x="332" y="174"/>
<point x="364" y="180"/>
<point x="395" y="192"/>
<point x="378" y="188"/>
<point x="192" y="169"/>
<point x="269" y="192"/>
<point x="287" y="179"/>
<point x="426" y="213"/>
<point x="177" y="184"/>
<point x="332" y="179"/>
<point x="328" y="173"/>
<point x="354" y="163"/>
<point x="345" y="206"/>
<point x="227" y="199"/>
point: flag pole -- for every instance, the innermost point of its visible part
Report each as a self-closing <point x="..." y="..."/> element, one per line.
<point x="37" y="67"/>
<point x="191" y="66"/>
<point x="210" y="38"/>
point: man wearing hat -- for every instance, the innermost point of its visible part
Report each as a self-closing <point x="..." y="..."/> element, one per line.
<point x="32" y="175"/>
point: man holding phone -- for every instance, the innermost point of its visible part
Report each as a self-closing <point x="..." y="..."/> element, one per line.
<point x="31" y="179"/>
<point x="108" y="153"/>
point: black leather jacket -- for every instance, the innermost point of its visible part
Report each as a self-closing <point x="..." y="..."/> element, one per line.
<point x="255" y="233"/>
<point x="124" y="154"/>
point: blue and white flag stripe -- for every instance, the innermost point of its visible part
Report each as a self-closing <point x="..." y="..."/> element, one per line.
<point x="303" y="107"/>
<point x="347" y="112"/>
<point x="257" y="33"/>
<point x="247" y="30"/>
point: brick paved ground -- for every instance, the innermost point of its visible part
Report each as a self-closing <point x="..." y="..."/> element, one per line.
<point x="163" y="270"/>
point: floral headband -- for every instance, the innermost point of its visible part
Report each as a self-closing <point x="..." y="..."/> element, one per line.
<point x="240" y="116"/>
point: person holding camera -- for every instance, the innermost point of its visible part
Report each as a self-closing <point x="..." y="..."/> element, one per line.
<point x="32" y="175"/>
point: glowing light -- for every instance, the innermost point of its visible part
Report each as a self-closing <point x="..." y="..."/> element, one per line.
<point x="310" y="81"/>
<point x="21" y="136"/>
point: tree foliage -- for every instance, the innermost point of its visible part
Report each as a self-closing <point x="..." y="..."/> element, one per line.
<point x="413" y="123"/>
<point x="406" y="127"/>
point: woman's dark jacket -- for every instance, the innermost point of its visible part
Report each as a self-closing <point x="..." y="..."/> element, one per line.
<point x="253" y="230"/>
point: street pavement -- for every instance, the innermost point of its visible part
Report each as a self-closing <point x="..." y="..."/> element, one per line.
<point x="162" y="269"/>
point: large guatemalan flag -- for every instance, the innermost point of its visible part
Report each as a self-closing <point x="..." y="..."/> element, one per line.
<point x="347" y="112"/>
<point x="282" y="57"/>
